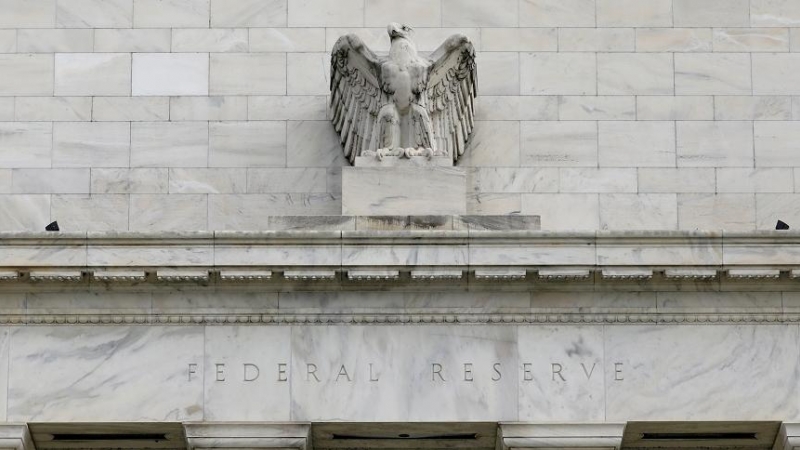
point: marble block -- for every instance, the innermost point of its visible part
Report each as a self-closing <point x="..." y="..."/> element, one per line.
<point x="403" y="191"/>
<point x="86" y="374"/>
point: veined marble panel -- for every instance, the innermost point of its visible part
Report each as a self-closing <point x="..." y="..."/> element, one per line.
<point x="415" y="373"/>
<point x="560" y="368"/>
<point x="105" y="374"/>
<point x="277" y="249"/>
<point x="699" y="249"/>
<point x="725" y="372"/>
<point x="393" y="191"/>
<point x="247" y="362"/>
<point x="541" y="250"/>
<point x="401" y="255"/>
<point x="59" y="255"/>
<point x="155" y="254"/>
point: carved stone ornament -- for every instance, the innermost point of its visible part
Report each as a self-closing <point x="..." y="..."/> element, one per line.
<point x="403" y="104"/>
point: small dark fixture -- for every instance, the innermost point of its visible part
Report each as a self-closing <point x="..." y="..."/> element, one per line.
<point x="781" y="225"/>
<point x="53" y="226"/>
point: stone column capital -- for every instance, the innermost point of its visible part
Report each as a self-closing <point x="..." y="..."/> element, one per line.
<point x="525" y="435"/>
<point x="16" y="437"/>
<point x="291" y="435"/>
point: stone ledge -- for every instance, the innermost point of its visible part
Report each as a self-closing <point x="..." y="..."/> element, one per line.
<point x="615" y="255"/>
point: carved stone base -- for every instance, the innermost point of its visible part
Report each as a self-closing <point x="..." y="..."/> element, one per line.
<point x="402" y="191"/>
<point x="397" y="161"/>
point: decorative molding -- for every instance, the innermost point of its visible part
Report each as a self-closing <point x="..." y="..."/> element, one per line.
<point x="485" y="255"/>
<point x="402" y="318"/>
<point x="564" y="274"/>
<point x="182" y="274"/>
<point x="119" y="275"/>
<point x="690" y="274"/>
<point x="754" y="274"/>
<point x="436" y="274"/>
<point x="373" y="275"/>
<point x="309" y="275"/>
<point x="245" y="275"/>
<point x="62" y="275"/>
<point x="501" y="274"/>
<point x="627" y="274"/>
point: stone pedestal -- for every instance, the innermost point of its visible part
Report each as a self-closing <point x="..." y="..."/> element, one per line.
<point x="407" y="189"/>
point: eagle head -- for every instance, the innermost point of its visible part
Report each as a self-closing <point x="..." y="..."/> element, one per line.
<point x="397" y="30"/>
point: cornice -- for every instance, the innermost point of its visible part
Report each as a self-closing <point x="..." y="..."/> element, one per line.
<point x="389" y="255"/>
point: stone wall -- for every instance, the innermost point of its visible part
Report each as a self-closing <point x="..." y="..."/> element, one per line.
<point x="211" y="114"/>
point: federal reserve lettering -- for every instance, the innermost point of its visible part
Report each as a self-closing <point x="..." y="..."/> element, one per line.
<point x="561" y="372"/>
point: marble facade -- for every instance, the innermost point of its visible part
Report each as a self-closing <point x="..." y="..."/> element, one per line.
<point x="213" y="114"/>
<point x="412" y="373"/>
<point x="598" y="271"/>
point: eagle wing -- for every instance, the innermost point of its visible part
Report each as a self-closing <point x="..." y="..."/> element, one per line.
<point x="452" y="88"/>
<point x="356" y="95"/>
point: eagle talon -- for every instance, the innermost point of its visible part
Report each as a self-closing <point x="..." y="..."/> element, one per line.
<point x="384" y="152"/>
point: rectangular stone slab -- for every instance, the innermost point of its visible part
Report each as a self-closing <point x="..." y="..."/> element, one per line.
<point x="399" y="191"/>
<point x="400" y="373"/>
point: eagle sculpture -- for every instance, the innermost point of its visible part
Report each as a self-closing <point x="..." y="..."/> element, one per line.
<point x="403" y="104"/>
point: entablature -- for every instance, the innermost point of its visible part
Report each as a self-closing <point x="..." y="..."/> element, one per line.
<point x="352" y="257"/>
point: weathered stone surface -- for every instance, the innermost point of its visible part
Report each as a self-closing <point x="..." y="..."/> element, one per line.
<point x="169" y="144"/>
<point x="93" y="74"/>
<point x="168" y="74"/>
<point x="55" y="109"/>
<point x="395" y="191"/>
<point x="91" y="144"/>
<point x="557" y="81"/>
<point x="26" y="75"/>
